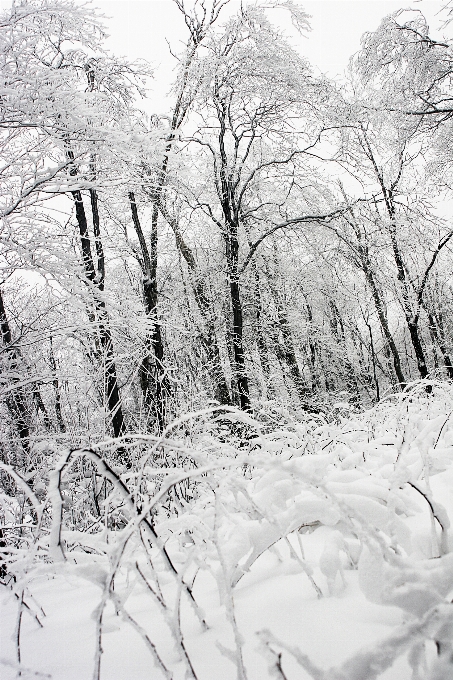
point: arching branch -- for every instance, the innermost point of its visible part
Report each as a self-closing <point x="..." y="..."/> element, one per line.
<point x="291" y="223"/>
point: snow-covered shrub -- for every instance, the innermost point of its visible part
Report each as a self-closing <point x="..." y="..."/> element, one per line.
<point x="192" y="525"/>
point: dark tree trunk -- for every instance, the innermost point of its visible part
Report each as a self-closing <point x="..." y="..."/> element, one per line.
<point x="260" y="337"/>
<point x="208" y="336"/>
<point x="382" y="315"/>
<point x="41" y="407"/>
<point x="417" y="345"/>
<point x="312" y="353"/>
<point x="96" y="277"/>
<point x="226" y="195"/>
<point x="238" y="324"/>
<point x="111" y="382"/>
<point x="289" y="355"/>
<point x="284" y="348"/>
<point x="411" y="317"/>
<point x="373" y="361"/>
<point x="437" y="330"/>
<point x="57" y="390"/>
<point x="153" y="379"/>
<point x="16" y="402"/>
<point x="348" y="370"/>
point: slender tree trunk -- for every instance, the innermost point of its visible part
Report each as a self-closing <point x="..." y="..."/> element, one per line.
<point x="311" y="345"/>
<point x="436" y="328"/>
<point x="153" y="379"/>
<point x="373" y="361"/>
<point x="285" y="349"/>
<point x="289" y="354"/>
<point x="410" y="316"/>
<point x="286" y="354"/>
<point x="111" y="382"/>
<point x="96" y="277"/>
<point x="348" y="370"/>
<point x="161" y="381"/>
<point x="434" y="345"/>
<point x="260" y="337"/>
<point x="228" y="318"/>
<point x="208" y="336"/>
<point x="226" y="194"/>
<point x="238" y="323"/>
<point x="57" y="390"/>
<point x="41" y="406"/>
<point x="238" y="345"/>
<point x="382" y="315"/>
<point x="16" y="402"/>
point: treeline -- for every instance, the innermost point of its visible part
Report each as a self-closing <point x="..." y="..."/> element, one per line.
<point x="277" y="240"/>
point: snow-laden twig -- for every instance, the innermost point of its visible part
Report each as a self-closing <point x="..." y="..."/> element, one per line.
<point x="37" y="506"/>
<point x="439" y="514"/>
<point x="143" y="634"/>
<point x="237" y="656"/>
<point x="55" y="547"/>
<point x="25" y="671"/>
<point x="267" y="638"/>
<point x="369" y="663"/>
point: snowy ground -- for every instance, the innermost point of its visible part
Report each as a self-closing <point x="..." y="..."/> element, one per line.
<point x="323" y="547"/>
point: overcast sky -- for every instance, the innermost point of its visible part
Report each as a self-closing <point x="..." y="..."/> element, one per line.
<point x="139" y="28"/>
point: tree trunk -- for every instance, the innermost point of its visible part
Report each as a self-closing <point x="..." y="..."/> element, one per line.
<point x="311" y="345"/>
<point x="373" y="360"/>
<point x="96" y="277"/>
<point x="290" y="357"/>
<point x="347" y="369"/>
<point x="232" y="251"/>
<point x="208" y="336"/>
<point x="411" y="318"/>
<point x="238" y="346"/>
<point x="437" y="330"/>
<point x="226" y="194"/>
<point x="285" y="349"/>
<point x="260" y="338"/>
<point x="57" y="391"/>
<point x="153" y="378"/>
<point x="382" y="314"/>
<point x="16" y="402"/>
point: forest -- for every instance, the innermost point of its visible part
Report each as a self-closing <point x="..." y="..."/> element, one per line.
<point x="226" y="354"/>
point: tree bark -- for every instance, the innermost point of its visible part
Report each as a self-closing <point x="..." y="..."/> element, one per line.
<point x="96" y="277"/>
<point x="17" y="402"/>
<point x="381" y="312"/>
<point x="349" y="373"/>
<point x="230" y="234"/>
<point x="285" y="349"/>
<point x="208" y="336"/>
<point x="238" y="323"/>
<point x="56" y="387"/>
<point x="260" y="337"/>
<point x="153" y="379"/>
<point x="411" y="316"/>
<point x="436" y="327"/>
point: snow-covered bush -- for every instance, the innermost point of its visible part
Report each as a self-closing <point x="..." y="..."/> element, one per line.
<point x="182" y="545"/>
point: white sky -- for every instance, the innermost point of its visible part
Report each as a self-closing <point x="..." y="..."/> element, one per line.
<point x="139" y="29"/>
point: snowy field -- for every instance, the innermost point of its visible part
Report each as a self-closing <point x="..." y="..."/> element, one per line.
<point x="315" y="551"/>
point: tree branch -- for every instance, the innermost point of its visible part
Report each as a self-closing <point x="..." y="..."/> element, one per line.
<point x="290" y="223"/>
